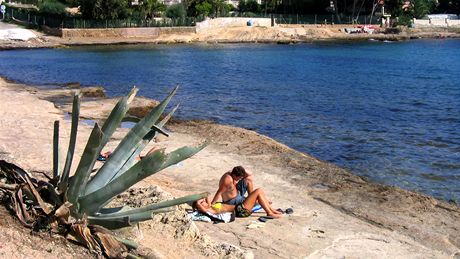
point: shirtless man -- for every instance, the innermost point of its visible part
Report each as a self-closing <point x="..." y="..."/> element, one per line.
<point x="233" y="186"/>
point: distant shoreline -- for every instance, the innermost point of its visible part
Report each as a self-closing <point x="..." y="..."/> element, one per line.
<point x="291" y="34"/>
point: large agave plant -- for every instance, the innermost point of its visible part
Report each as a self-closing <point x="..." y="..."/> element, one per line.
<point x="84" y="196"/>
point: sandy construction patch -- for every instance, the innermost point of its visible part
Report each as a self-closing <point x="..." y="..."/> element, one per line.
<point x="17" y="34"/>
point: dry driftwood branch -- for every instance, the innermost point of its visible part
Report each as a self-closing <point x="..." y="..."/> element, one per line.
<point x="11" y="187"/>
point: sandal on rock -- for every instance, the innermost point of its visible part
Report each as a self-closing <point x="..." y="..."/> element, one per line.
<point x="265" y="218"/>
<point x="101" y="157"/>
<point x="289" y="211"/>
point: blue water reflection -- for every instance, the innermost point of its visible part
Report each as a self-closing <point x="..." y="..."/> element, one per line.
<point x="387" y="111"/>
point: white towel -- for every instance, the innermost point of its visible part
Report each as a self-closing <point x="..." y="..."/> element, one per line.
<point x="225" y="217"/>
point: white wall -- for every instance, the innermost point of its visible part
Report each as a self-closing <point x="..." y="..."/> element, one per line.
<point x="436" y="23"/>
<point x="454" y="23"/>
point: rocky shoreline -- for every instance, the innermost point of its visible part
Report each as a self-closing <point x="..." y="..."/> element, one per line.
<point x="283" y="34"/>
<point x="336" y="212"/>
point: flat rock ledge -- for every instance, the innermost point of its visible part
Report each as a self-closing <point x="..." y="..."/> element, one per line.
<point x="337" y="214"/>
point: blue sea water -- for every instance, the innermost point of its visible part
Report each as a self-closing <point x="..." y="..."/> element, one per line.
<point x="386" y="111"/>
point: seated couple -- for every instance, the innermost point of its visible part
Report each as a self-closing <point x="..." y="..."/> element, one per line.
<point x="232" y="188"/>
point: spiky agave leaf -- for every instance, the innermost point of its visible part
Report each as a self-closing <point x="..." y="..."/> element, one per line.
<point x="118" y="113"/>
<point x="145" y="141"/>
<point x="123" y="217"/>
<point x="78" y="183"/>
<point x="140" y="146"/>
<point x="73" y="139"/>
<point x="149" y="165"/>
<point x="115" y="222"/>
<point x="128" y="243"/>
<point x="97" y="140"/>
<point x="56" y="168"/>
<point x="157" y="206"/>
<point x="127" y="146"/>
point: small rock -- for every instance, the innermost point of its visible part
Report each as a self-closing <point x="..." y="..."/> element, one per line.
<point x="95" y="91"/>
<point x="72" y="85"/>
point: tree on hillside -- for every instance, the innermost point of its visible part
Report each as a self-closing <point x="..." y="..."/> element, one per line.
<point x="206" y="8"/>
<point x="176" y="11"/>
<point x="104" y="9"/>
<point x="70" y="3"/>
<point x="422" y="8"/>
<point x="148" y="9"/>
<point x="221" y="8"/>
<point x="448" y="6"/>
<point x="203" y="9"/>
<point x="52" y="8"/>
<point x="409" y="9"/>
<point x="248" y="6"/>
<point x="269" y="6"/>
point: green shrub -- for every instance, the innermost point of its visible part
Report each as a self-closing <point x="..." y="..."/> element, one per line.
<point x="405" y="20"/>
<point x="203" y="9"/>
<point x="52" y="7"/>
<point x="104" y="9"/>
<point x="176" y="11"/>
<point x="248" y="6"/>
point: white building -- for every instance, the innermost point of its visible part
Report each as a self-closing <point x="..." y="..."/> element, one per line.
<point x="171" y="2"/>
<point x="236" y="2"/>
<point x="166" y="2"/>
<point x="443" y="16"/>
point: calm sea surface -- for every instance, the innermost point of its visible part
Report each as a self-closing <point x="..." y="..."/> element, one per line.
<point x="386" y="111"/>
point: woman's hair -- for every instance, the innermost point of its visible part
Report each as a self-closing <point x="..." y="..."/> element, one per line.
<point x="194" y="207"/>
<point x="238" y="171"/>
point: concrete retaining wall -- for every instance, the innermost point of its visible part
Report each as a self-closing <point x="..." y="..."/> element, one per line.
<point x="52" y="31"/>
<point x="436" y="23"/>
<point x="232" y="22"/>
<point x="150" y="32"/>
<point x="455" y="23"/>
